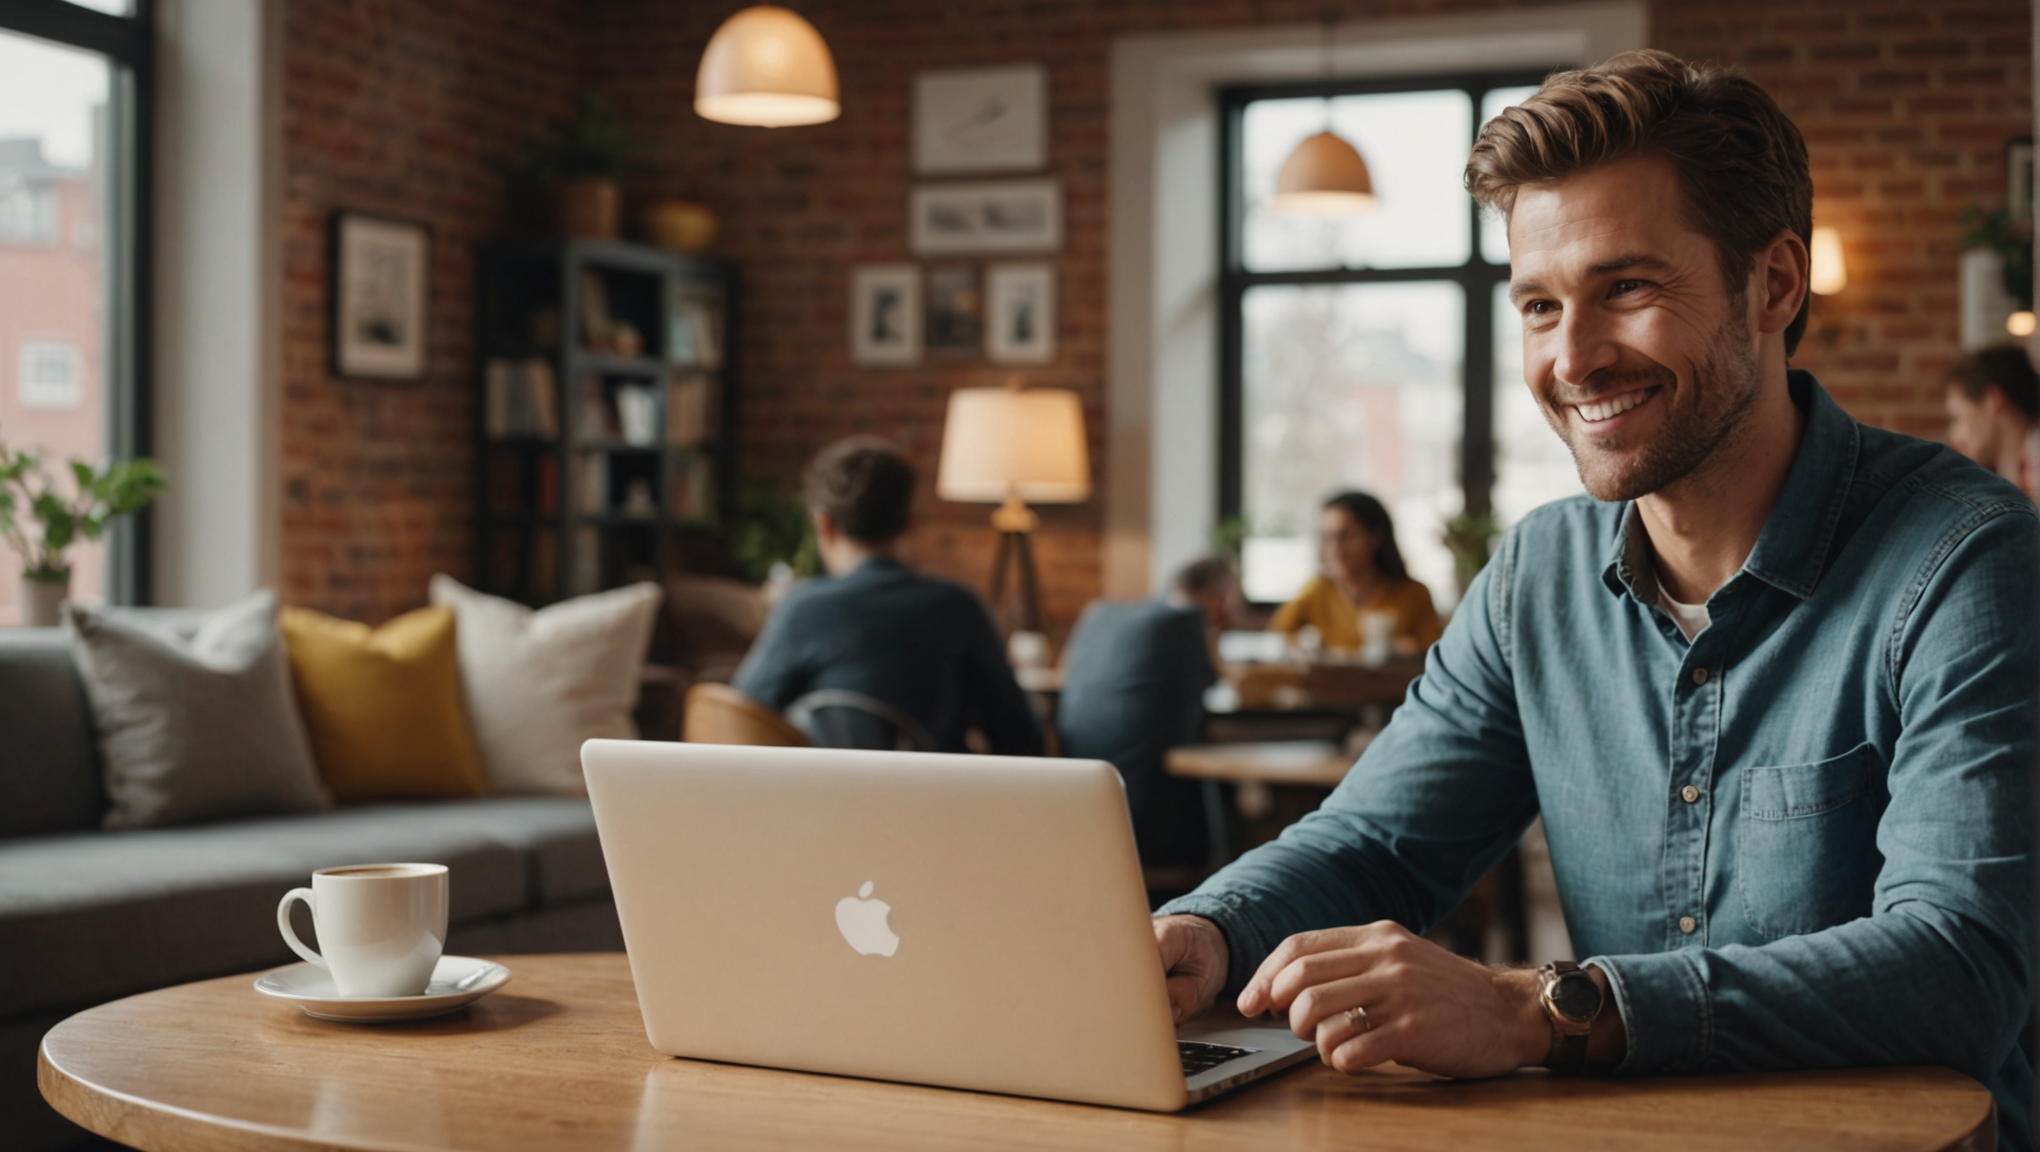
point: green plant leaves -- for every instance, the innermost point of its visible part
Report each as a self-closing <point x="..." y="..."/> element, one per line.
<point x="98" y="496"/>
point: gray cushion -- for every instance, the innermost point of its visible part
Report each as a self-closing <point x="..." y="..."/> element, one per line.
<point x="90" y="916"/>
<point x="195" y="728"/>
<point x="49" y="771"/>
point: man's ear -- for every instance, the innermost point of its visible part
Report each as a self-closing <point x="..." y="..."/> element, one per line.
<point x="825" y="525"/>
<point x="1994" y="401"/>
<point x="1781" y="272"/>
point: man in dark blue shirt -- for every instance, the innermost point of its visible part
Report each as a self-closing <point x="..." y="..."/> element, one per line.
<point x="1133" y="688"/>
<point x="914" y="644"/>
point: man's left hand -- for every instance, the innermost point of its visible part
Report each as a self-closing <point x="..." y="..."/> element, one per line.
<point x="1429" y="1008"/>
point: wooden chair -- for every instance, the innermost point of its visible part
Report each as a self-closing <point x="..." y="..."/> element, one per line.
<point x="719" y="714"/>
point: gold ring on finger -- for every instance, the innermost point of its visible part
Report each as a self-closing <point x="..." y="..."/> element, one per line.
<point x="1358" y="1015"/>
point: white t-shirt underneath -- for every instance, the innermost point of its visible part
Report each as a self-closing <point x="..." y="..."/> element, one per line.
<point x="1691" y="618"/>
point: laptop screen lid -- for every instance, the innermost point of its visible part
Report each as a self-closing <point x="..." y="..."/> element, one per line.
<point x="969" y="921"/>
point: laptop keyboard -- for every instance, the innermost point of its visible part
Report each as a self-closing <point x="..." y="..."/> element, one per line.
<point x="1204" y="1057"/>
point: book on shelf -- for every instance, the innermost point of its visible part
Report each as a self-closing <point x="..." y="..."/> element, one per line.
<point x="692" y="496"/>
<point x="545" y="485"/>
<point x="595" y="416"/>
<point x="690" y="411"/>
<point x="694" y="333"/>
<point x="520" y="398"/>
<point x="587" y="572"/>
<point x="591" y="482"/>
<point x="596" y="321"/>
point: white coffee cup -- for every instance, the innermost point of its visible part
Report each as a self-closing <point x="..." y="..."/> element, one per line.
<point x="381" y="926"/>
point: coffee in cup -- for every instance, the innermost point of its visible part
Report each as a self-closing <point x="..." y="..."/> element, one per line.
<point x="381" y="927"/>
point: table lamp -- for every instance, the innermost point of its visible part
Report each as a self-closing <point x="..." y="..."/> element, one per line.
<point x="1015" y="446"/>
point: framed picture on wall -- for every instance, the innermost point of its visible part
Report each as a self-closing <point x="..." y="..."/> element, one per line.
<point x="1008" y="216"/>
<point x="955" y="324"/>
<point x="885" y="315"/>
<point x="1021" y="312"/>
<point x="379" y="294"/>
<point x="981" y="120"/>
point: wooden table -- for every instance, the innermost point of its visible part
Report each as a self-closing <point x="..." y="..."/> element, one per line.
<point x="558" y="1061"/>
<point x="1314" y="763"/>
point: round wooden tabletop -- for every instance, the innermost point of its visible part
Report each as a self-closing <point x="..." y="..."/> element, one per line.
<point x="1317" y="763"/>
<point x="558" y="1061"/>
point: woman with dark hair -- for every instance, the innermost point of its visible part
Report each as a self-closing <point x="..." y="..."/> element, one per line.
<point x="1361" y="572"/>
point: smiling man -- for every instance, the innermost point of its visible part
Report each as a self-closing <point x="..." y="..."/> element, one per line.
<point x="1771" y="685"/>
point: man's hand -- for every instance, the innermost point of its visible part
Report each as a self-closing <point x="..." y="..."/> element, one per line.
<point x="1194" y="956"/>
<point x="1430" y="1009"/>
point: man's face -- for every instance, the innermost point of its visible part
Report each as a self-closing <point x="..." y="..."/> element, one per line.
<point x="1973" y="427"/>
<point x="1639" y="353"/>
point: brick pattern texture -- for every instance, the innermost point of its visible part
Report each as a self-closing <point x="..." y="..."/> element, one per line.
<point x="1906" y="107"/>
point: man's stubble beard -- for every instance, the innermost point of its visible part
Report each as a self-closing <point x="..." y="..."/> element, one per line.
<point x="1726" y="384"/>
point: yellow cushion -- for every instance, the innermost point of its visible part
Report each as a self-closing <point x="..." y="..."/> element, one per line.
<point x="382" y="705"/>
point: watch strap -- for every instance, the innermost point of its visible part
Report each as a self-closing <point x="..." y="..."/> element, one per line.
<point x="1568" y="1052"/>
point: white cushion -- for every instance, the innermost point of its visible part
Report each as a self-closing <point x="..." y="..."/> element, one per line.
<point x="537" y="684"/>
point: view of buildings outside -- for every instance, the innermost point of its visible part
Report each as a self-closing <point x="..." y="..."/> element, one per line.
<point x="1362" y="386"/>
<point x="52" y="306"/>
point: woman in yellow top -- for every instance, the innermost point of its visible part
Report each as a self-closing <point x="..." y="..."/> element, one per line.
<point x="1362" y="572"/>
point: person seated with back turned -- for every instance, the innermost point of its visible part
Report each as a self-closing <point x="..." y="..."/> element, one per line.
<point x="1771" y="683"/>
<point x="1993" y="407"/>
<point x="875" y="627"/>
<point x="1362" y="571"/>
<point x="1133" y="687"/>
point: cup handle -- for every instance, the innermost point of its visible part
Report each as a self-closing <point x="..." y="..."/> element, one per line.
<point x="289" y="933"/>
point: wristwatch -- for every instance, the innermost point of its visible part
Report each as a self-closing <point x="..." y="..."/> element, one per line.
<point x="1571" y="1000"/>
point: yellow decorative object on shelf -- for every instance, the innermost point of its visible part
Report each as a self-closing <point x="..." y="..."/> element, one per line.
<point x="680" y="225"/>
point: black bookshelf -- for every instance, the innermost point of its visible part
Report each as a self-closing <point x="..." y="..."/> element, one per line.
<point x="605" y="421"/>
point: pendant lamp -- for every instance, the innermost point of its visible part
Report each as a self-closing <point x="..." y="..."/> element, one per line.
<point x="1325" y="175"/>
<point x="766" y="67"/>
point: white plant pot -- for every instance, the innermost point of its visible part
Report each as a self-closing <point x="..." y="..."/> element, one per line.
<point x="42" y="602"/>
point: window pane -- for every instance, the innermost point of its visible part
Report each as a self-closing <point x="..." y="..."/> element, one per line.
<point x="1494" y="234"/>
<point x="53" y="155"/>
<point x="1350" y="386"/>
<point x="1414" y="144"/>
<point x="1532" y="465"/>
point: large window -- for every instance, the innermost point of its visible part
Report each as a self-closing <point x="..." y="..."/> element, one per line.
<point x="1378" y="351"/>
<point x="73" y="163"/>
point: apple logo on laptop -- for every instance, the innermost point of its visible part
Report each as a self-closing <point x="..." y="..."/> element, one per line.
<point x="862" y="922"/>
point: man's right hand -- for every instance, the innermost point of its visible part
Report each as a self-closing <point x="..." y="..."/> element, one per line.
<point x="1194" y="957"/>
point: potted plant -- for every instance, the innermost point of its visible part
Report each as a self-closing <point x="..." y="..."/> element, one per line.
<point x="1470" y="537"/>
<point x="99" y="496"/>
<point x="581" y="159"/>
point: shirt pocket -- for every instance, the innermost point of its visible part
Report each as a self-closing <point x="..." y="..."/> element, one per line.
<point x="1806" y="853"/>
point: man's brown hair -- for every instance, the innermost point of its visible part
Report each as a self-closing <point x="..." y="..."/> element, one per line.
<point x="864" y="485"/>
<point x="1741" y="162"/>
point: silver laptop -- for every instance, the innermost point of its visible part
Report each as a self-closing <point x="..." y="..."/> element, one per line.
<point x="968" y="921"/>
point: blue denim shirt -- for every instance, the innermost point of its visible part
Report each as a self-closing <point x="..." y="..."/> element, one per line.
<point x="1847" y="882"/>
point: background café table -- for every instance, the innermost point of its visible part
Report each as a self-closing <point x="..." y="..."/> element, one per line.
<point x="558" y="1061"/>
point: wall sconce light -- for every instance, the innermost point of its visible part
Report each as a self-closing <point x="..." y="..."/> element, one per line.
<point x="2019" y="324"/>
<point x="1829" y="274"/>
<point x="768" y="68"/>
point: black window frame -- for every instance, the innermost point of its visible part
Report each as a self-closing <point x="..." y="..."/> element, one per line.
<point x="1476" y="277"/>
<point x="129" y="44"/>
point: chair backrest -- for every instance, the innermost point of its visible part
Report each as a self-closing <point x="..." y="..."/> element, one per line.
<point x="839" y="718"/>
<point x="719" y="714"/>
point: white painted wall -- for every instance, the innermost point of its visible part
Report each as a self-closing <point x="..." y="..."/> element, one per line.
<point x="1161" y="497"/>
<point x="219" y="366"/>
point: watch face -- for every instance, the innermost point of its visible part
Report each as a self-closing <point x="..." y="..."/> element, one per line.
<point x="1576" y="995"/>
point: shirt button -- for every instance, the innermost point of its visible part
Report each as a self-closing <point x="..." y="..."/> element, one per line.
<point x="1689" y="793"/>
<point x="1699" y="675"/>
<point x="1688" y="925"/>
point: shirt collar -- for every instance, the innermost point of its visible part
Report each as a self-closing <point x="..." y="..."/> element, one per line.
<point x="1792" y="550"/>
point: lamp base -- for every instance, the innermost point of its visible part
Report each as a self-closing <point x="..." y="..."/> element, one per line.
<point x="1016" y="550"/>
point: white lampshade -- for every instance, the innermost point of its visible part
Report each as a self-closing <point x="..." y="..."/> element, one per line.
<point x="1001" y="442"/>
<point x="1828" y="274"/>
<point x="1325" y="176"/>
<point x="768" y="68"/>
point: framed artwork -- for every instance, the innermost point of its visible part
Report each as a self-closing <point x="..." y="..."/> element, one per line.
<point x="1011" y="216"/>
<point x="1021" y="313"/>
<point x="955" y="323"/>
<point x="378" y="294"/>
<point x="981" y="120"/>
<point x="2019" y="178"/>
<point x="885" y="315"/>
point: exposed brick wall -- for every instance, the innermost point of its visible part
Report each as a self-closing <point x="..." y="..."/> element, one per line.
<point x="1906" y="106"/>
<point x="402" y="110"/>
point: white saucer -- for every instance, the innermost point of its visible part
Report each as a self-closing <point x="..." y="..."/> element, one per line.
<point x="312" y="990"/>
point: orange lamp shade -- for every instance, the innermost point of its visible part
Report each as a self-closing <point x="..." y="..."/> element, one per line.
<point x="768" y="68"/>
<point x="1325" y="176"/>
<point x="1000" y="443"/>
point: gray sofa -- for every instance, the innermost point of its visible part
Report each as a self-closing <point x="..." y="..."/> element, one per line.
<point x="88" y="916"/>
